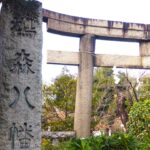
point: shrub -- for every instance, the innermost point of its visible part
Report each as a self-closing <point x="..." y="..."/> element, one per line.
<point x="139" y="120"/>
<point x="46" y="144"/>
<point x="62" y="125"/>
<point x="118" y="141"/>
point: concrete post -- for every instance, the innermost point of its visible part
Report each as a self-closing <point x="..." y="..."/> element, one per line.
<point x="20" y="80"/>
<point x="145" y="54"/>
<point x="144" y="48"/>
<point x="84" y="87"/>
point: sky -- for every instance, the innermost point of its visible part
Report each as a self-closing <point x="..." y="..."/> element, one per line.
<point x="136" y="11"/>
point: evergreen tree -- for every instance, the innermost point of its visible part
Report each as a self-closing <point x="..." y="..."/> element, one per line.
<point x="104" y="95"/>
<point x="59" y="102"/>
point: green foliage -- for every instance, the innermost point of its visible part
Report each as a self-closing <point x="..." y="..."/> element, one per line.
<point x="61" y="125"/>
<point x="103" y="85"/>
<point x="63" y="92"/>
<point x="144" y="88"/>
<point x="103" y="95"/>
<point x="59" y="103"/>
<point x="117" y="141"/>
<point x="46" y="144"/>
<point x="139" y="119"/>
<point x="129" y="84"/>
<point x="144" y="144"/>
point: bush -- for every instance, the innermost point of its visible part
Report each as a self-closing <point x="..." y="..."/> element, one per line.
<point x="46" y="144"/>
<point x="139" y="120"/>
<point x="62" y="125"/>
<point x="144" y="144"/>
<point x="117" y="141"/>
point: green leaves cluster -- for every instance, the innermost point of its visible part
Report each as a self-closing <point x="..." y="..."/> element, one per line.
<point x="103" y="86"/>
<point x="139" y="119"/>
<point x="63" y="92"/>
<point x="61" y="125"/>
<point x="117" y="141"/>
<point x="144" y="88"/>
<point x="139" y="123"/>
<point x="59" y="98"/>
<point x="103" y="91"/>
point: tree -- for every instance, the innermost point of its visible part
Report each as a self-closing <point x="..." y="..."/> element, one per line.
<point x="127" y="94"/>
<point x="130" y="85"/>
<point x="139" y="119"/>
<point x="59" y="102"/>
<point x="103" y="95"/>
<point x="144" y="88"/>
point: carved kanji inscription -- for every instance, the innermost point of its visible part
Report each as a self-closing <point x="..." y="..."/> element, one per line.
<point x="18" y="93"/>
<point x="23" y="26"/>
<point x="21" y="134"/>
<point x="22" y="63"/>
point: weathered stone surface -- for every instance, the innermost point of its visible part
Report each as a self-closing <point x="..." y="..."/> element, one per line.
<point x="20" y="84"/>
<point x="83" y="104"/>
<point x="77" y="26"/>
<point x="100" y="60"/>
<point x="119" y="61"/>
<point x="58" y="135"/>
<point x="62" y="57"/>
<point x="145" y="48"/>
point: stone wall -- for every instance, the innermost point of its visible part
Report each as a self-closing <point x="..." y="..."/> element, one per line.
<point x="20" y="81"/>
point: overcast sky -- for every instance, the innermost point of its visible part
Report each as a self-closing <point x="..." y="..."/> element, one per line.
<point x="137" y="11"/>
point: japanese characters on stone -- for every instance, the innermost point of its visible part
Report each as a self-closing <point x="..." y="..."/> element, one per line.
<point x="21" y="134"/>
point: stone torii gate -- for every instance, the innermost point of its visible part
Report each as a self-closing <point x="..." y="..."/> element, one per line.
<point x="88" y="30"/>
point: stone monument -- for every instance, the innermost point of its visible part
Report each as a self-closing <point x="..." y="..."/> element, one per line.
<point x="20" y="76"/>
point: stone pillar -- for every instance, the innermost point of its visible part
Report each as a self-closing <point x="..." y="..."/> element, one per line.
<point x="144" y="48"/>
<point x="145" y="53"/>
<point x="84" y="87"/>
<point x="20" y="78"/>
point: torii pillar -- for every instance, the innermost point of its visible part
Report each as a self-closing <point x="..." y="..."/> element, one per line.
<point x="83" y="105"/>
